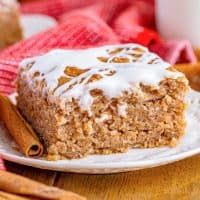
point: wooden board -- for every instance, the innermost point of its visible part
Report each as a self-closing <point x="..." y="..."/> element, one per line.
<point x="180" y="180"/>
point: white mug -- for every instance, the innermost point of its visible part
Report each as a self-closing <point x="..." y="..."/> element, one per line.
<point x="179" y="19"/>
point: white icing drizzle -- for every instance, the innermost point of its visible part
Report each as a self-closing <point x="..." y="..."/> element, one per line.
<point x="102" y="118"/>
<point x="148" y="69"/>
<point x="121" y="108"/>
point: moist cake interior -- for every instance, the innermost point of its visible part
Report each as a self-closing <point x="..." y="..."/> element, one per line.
<point x="102" y="100"/>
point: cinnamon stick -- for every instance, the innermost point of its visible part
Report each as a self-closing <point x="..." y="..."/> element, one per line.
<point x="7" y="196"/>
<point x="19" y="185"/>
<point x="21" y="131"/>
<point x="192" y="72"/>
<point x="197" y="52"/>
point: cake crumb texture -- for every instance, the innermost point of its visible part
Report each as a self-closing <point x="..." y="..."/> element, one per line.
<point x="75" y="116"/>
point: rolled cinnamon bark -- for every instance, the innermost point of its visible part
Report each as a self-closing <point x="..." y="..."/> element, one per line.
<point x="7" y="196"/>
<point x="21" y="131"/>
<point x="197" y="52"/>
<point x="192" y="72"/>
<point x="16" y="184"/>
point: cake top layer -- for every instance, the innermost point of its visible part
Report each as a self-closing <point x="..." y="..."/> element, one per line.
<point x="126" y="53"/>
<point x="74" y="74"/>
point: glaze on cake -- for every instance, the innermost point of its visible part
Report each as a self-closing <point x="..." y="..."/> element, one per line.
<point x="102" y="100"/>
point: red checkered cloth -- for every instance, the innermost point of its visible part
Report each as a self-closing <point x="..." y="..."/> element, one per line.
<point x="56" y="8"/>
<point x="86" y="23"/>
<point x="131" y="20"/>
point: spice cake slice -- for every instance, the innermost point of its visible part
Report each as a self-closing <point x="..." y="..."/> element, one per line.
<point x="102" y="100"/>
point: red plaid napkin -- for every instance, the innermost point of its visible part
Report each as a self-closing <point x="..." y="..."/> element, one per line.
<point x="91" y="23"/>
<point x="53" y="8"/>
<point x="131" y="20"/>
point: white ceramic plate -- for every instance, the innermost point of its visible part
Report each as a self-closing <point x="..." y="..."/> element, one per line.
<point x="133" y="160"/>
<point x="35" y="23"/>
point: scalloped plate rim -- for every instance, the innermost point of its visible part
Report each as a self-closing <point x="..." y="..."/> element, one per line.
<point x="134" y="164"/>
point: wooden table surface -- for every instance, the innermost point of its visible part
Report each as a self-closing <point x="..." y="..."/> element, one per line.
<point x="180" y="180"/>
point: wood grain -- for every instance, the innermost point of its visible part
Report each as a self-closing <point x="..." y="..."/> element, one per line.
<point x="197" y="52"/>
<point x="192" y="72"/>
<point x="23" y="186"/>
<point x="180" y="180"/>
<point x="45" y="176"/>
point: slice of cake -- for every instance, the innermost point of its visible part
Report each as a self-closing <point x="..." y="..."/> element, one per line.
<point x="102" y="100"/>
<point x="11" y="31"/>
